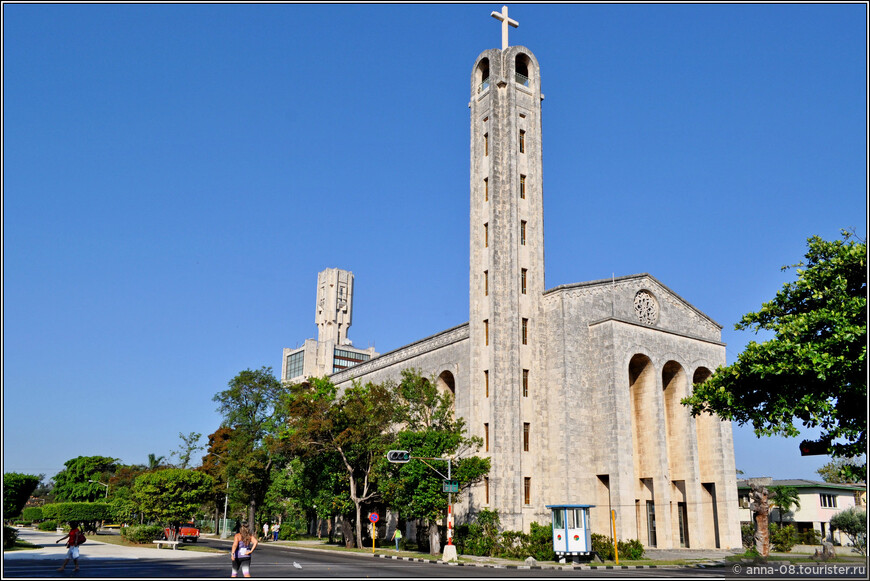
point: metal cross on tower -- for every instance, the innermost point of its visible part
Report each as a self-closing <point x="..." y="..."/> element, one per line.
<point x="505" y="21"/>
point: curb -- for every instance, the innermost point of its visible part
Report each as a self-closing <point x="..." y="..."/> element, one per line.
<point x="526" y="567"/>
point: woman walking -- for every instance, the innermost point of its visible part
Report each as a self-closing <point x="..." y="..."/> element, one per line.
<point x="244" y="544"/>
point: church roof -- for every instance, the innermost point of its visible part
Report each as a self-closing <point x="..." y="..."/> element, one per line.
<point x="617" y="279"/>
<point x="803" y="483"/>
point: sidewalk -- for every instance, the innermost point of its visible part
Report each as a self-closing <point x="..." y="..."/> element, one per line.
<point x="92" y="549"/>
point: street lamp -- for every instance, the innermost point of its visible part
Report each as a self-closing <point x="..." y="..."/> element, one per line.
<point x="101" y="484"/>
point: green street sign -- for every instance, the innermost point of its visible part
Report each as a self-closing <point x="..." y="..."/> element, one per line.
<point x="451" y="486"/>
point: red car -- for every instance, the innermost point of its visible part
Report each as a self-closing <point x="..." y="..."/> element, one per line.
<point x="183" y="532"/>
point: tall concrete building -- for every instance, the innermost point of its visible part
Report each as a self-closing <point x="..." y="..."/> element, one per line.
<point x="575" y="390"/>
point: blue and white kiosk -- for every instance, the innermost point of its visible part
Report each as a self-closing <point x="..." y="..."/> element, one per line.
<point x="571" y="534"/>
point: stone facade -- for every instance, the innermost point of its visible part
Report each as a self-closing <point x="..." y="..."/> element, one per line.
<point x="576" y="390"/>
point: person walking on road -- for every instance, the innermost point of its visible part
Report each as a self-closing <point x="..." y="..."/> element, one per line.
<point x="244" y="544"/>
<point x="275" y="529"/>
<point x="265" y="531"/>
<point x="397" y="534"/>
<point x="73" y="540"/>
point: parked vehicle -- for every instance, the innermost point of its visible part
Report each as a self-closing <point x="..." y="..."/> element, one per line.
<point x="182" y="532"/>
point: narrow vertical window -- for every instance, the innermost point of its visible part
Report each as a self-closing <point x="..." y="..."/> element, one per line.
<point x="523" y="280"/>
<point x="523" y="232"/>
<point x="486" y="331"/>
<point x="523" y="187"/>
<point x="526" y="428"/>
<point x="486" y="437"/>
<point x="525" y="332"/>
<point x="522" y="141"/>
<point x="485" y="283"/>
<point x="527" y="490"/>
<point x="486" y="381"/>
<point x="486" y="488"/>
<point x="525" y="383"/>
<point x="486" y="144"/>
<point x="486" y="234"/>
<point x="485" y="189"/>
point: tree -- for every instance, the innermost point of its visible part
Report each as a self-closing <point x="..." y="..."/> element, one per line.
<point x="155" y="461"/>
<point x="815" y="368"/>
<point x="71" y="483"/>
<point x="214" y="464"/>
<point x="853" y="522"/>
<point x="430" y="430"/>
<point x="353" y="426"/>
<point x="17" y="488"/>
<point x="188" y="447"/>
<point x="784" y="497"/>
<point x="172" y="495"/>
<point x="842" y="470"/>
<point x="250" y="409"/>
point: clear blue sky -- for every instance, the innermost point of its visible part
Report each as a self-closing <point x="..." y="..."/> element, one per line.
<point x="174" y="177"/>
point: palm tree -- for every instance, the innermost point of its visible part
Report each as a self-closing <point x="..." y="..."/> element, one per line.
<point x="155" y="462"/>
<point x="784" y="498"/>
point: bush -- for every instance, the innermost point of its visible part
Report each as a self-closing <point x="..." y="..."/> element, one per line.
<point x="631" y="549"/>
<point x="853" y="522"/>
<point x="783" y="539"/>
<point x="810" y="537"/>
<point x="747" y="535"/>
<point x="480" y="537"/>
<point x="32" y="513"/>
<point x="10" y="535"/>
<point x="47" y="525"/>
<point x="142" y="533"/>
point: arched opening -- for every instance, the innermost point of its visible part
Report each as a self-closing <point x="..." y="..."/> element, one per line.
<point x="709" y="456"/>
<point x="446" y="382"/>
<point x="646" y="452"/>
<point x="521" y="69"/>
<point x="677" y="436"/>
<point x="482" y="75"/>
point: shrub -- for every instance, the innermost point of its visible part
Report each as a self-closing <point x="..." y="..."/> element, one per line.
<point x="47" y="525"/>
<point x="142" y="533"/>
<point x="631" y="549"/>
<point x="810" y="537"/>
<point x="480" y="537"/>
<point x="603" y="546"/>
<point x="32" y="513"/>
<point x="10" y="535"/>
<point x="747" y="535"/>
<point x="783" y="539"/>
<point x="853" y="522"/>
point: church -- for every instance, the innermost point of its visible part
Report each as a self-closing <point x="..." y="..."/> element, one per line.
<point x="575" y="390"/>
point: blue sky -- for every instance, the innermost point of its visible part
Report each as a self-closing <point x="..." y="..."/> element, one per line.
<point x="174" y="177"/>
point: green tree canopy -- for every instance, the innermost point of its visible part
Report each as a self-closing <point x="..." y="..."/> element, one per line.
<point x="853" y="522"/>
<point x="173" y="494"/>
<point x="187" y="448"/>
<point x="250" y="409"/>
<point x="17" y="488"/>
<point x="842" y="470"/>
<point x="354" y="426"/>
<point x="814" y="370"/>
<point x="430" y="430"/>
<point x="784" y="497"/>
<point x="71" y="483"/>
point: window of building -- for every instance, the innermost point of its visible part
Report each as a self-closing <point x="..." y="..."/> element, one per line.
<point x="523" y="232"/>
<point x="522" y="141"/>
<point x="486" y="437"/>
<point x="526" y="428"/>
<point x="486" y="283"/>
<point x="486" y="489"/>
<point x="485" y="189"/>
<point x="294" y="364"/>
<point x="828" y="500"/>
<point x="486" y="331"/>
<point x="523" y="280"/>
<point x="486" y="235"/>
<point x="525" y="383"/>
<point x="525" y="331"/>
<point x="342" y="359"/>
<point x="523" y="187"/>
<point x="486" y="144"/>
<point x="486" y="381"/>
<point x="527" y="490"/>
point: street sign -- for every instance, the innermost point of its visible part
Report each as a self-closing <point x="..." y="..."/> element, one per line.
<point x="373" y="516"/>
<point x="450" y="486"/>
<point x="398" y="456"/>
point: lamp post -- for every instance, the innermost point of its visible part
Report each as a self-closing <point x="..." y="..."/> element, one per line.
<point x="101" y="484"/>
<point x="226" y="500"/>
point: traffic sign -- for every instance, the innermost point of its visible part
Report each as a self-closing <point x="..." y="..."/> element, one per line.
<point x="373" y="516"/>
<point x="398" y="456"/>
<point x="450" y="486"/>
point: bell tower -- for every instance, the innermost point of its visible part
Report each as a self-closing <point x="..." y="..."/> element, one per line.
<point x="506" y="278"/>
